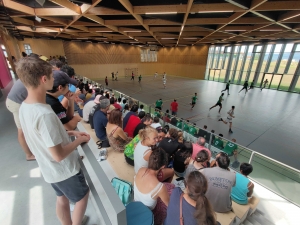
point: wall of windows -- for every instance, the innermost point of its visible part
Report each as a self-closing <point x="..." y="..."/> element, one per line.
<point x="276" y="62"/>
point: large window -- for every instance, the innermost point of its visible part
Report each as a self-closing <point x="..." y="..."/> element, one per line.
<point x="27" y="49"/>
<point x="276" y="62"/>
<point x="148" y="56"/>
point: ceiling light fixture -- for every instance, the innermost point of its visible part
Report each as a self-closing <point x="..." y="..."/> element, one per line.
<point x="104" y="31"/>
<point x="190" y="38"/>
<point x="131" y="31"/>
<point x="167" y="38"/>
<point x="271" y="30"/>
<point x="235" y="30"/>
<point x="150" y="13"/>
<point x="220" y="11"/>
<point x="182" y="28"/>
<point x="82" y="38"/>
<point x="134" y="42"/>
<point x="130" y="37"/>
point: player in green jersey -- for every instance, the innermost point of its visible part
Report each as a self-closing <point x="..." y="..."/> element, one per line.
<point x="219" y="103"/>
<point x="194" y="99"/>
<point x="218" y="142"/>
<point x="227" y="87"/>
<point x="193" y="130"/>
<point x="231" y="149"/>
<point x="158" y="104"/>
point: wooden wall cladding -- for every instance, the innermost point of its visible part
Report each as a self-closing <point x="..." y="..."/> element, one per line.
<point x="89" y="53"/>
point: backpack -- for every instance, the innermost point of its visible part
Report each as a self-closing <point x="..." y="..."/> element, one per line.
<point x="91" y="115"/>
<point x="124" y="190"/>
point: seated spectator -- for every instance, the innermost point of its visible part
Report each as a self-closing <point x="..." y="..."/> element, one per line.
<point x="218" y="142"/>
<point x="116" y="136"/>
<point x="173" y="121"/>
<point x="141" y="108"/>
<point x="202" y="132"/>
<point x="186" y="126"/>
<point x="88" y="94"/>
<point x="220" y="183"/>
<point x="133" y="122"/>
<point x="125" y="110"/>
<point x="119" y="102"/>
<point x="182" y="159"/>
<point x="111" y="108"/>
<point x="179" y="124"/>
<point x="132" y="112"/>
<point x="88" y="107"/>
<point x="149" y="190"/>
<point x="166" y="117"/>
<point x="192" y="130"/>
<point x="156" y="123"/>
<point x="231" y="149"/>
<point x="100" y="122"/>
<point x="199" y="163"/>
<point x="162" y="132"/>
<point x="180" y="139"/>
<point x="157" y="113"/>
<point x="195" y="207"/>
<point x="170" y="144"/>
<point x="207" y="137"/>
<point x="197" y="147"/>
<point x="167" y="127"/>
<point x="129" y="150"/>
<point x="123" y="104"/>
<point x="243" y="188"/>
<point x="142" y="151"/>
<point x="147" y="120"/>
<point x="61" y="87"/>
<point x="115" y="104"/>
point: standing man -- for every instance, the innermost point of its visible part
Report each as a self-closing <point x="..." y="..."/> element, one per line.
<point x="132" y="76"/>
<point x="174" y="107"/>
<point x="155" y="75"/>
<point x="194" y="99"/>
<point x="265" y="84"/>
<point x="112" y="76"/>
<point x="251" y="85"/>
<point x="116" y="76"/>
<point x="164" y="81"/>
<point x="106" y="81"/>
<point x="219" y="103"/>
<point x="245" y="86"/>
<point x="50" y="142"/>
<point x="159" y="104"/>
<point x="140" y="78"/>
<point x="230" y="116"/>
<point x="227" y="87"/>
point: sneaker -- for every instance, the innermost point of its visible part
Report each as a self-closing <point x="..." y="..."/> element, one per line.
<point x="230" y="131"/>
<point x="102" y="154"/>
<point x="220" y="119"/>
<point x="84" y="220"/>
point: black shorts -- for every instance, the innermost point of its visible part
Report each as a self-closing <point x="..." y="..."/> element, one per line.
<point x="193" y="103"/>
<point x="158" y="107"/>
<point x="74" y="188"/>
<point x="219" y="104"/>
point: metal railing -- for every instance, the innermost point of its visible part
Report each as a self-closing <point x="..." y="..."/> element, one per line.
<point x="278" y="177"/>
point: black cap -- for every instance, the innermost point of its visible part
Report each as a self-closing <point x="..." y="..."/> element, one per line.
<point x="61" y="78"/>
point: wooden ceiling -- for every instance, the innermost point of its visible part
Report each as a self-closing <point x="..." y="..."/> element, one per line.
<point x="157" y="22"/>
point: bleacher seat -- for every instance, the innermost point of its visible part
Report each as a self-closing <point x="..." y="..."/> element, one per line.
<point x="226" y="218"/>
<point x="139" y="214"/>
<point x="253" y="202"/>
<point x="241" y="211"/>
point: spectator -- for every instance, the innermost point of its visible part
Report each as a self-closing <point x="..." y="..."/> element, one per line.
<point x="182" y="159"/>
<point x="170" y="144"/>
<point x="179" y="124"/>
<point x="88" y="94"/>
<point x="119" y="102"/>
<point x="166" y="117"/>
<point x="207" y="137"/>
<point x="110" y="109"/>
<point x="174" y="121"/>
<point x="116" y="136"/>
<point x="231" y="149"/>
<point x="125" y="111"/>
<point x="157" y="113"/>
<point x="197" y="147"/>
<point x="71" y="73"/>
<point x="195" y="207"/>
<point x="129" y="150"/>
<point x="156" y="123"/>
<point x="115" y="104"/>
<point x="174" y="107"/>
<point x="141" y="108"/>
<point x="159" y="104"/>
<point x="61" y="87"/>
<point x="133" y="111"/>
<point x="218" y="142"/>
<point x="220" y="183"/>
<point x="100" y="122"/>
<point x="149" y="190"/>
<point x="193" y="130"/>
<point x="162" y="132"/>
<point x="147" y="120"/>
<point x="199" y="163"/>
<point x="133" y="122"/>
<point x="88" y="107"/>
<point x="123" y="103"/>
<point x="202" y="132"/>
<point x="244" y="187"/>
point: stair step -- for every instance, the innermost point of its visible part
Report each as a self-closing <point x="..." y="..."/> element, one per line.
<point x="253" y="221"/>
<point x="261" y="219"/>
<point x="247" y="222"/>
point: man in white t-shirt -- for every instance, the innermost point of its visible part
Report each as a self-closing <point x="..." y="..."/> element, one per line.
<point x="229" y="118"/>
<point x="50" y="142"/>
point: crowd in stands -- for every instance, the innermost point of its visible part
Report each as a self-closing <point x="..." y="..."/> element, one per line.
<point x="157" y="153"/>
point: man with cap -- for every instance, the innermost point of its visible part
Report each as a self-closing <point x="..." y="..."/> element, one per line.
<point x="61" y="87"/>
<point x="100" y="121"/>
<point x="88" y="107"/>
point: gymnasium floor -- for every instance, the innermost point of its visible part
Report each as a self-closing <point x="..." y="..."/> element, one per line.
<point x="265" y="121"/>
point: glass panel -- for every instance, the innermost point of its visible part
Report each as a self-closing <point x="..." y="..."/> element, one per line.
<point x="259" y="80"/>
<point x="294" y="63"/>
<point x="236" y="78"/>
<point x="258" y="48"/>
<point x="217" y="74"/>
<point x="243" y="77"/>
<point x="268" y="76"/>
<point x="246" y="67"/>
<point x="297" y="87"/>
<point x="211" y="74"/>
<point x="226" y="61"/>
<point x="269" y="48"/>
<point x="298" y="48"/>
<point x="277" y="177"/>
<point x="286" y="82"/>
<point x="278" y="48"/>
<point x="255" y="61"/>
<point x="273" y="62"/>
<point x="251" y="77"/>
<point x="222" y="76"/>
<point x="275" y="81"/>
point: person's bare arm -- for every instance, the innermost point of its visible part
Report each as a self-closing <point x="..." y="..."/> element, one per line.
<point x="250" y="188"/>
<point x="65" y="102"/>
<point x="60" y="152"/>
<point x="164" y="195"/>
<point x="147" y="156"/>
<point x="72" y="124"/>
<point x="121" y="134"/>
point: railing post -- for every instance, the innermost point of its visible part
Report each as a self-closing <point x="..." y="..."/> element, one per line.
<point x="251" y="157"/>
<point x="210" y="139"/>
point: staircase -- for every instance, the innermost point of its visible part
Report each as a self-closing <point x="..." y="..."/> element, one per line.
<point x="257" y="218"/>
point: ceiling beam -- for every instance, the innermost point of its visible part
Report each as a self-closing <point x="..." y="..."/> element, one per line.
<point x="17" y="6"/>
<point x="280" y="5"/>
<point x="54" y="12"/>
<point x="68" y="4"/>
<point x="188" y="9"/>
<point x="223" y="7"/>
<point x="159" y="9"/>
<point x="122" y="22"/>
<point x="23" y="21"/>
<point x="106" y="11"/>
<point x="289" y="15"/>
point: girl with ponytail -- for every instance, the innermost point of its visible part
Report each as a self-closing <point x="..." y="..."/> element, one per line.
<point x="199" y="163"/>
<point x="191" y="207"/>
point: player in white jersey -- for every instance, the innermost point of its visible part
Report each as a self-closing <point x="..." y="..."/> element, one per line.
<point x="164" y="81"/>
<point x="155" y="75"/>
<point x="229" y="118"/>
